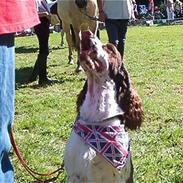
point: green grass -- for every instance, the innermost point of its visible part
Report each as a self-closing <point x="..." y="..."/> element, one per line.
<point x="44" y="115"/>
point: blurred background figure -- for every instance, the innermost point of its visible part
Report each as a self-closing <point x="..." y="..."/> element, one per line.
<point x="151" y="8"/>
<point x="170" y="10"/>
<point x="178" y="9"/>
<point x="158" y="14"/>
<point x="135" y="9"/>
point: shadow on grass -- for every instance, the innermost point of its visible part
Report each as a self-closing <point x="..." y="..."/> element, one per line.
<point x="56" y="48"/>
<point x="178" y="180"/>
<point x="25" y="49"/>
<point x="23" y="75"/>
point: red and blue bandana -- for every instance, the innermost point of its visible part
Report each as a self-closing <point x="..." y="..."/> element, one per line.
<point x="111" y="142"/>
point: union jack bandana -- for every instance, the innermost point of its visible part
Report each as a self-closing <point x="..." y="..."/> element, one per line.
<point x="111" y="142"/>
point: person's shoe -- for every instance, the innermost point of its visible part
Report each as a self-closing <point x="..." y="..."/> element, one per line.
<point x="33" y="77"/>
<point x="45" y="81"/>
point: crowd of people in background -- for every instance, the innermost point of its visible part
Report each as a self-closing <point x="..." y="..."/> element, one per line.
<point x="169" y="9"/>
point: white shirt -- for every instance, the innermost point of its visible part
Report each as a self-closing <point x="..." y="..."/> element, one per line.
<point x="44" y="5"/>
<point x="118" y="9"/>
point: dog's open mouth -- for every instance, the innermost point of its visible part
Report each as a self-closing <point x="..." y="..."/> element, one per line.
<point x="90" y="50"/>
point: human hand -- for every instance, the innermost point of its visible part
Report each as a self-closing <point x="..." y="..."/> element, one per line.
<point x="44" y="14"/>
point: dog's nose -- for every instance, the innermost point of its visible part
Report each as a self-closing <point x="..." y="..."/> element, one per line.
<point x="85" y="39"/>
<point x="86" y="33"/>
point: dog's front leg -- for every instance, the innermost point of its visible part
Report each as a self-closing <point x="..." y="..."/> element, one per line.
<point x="77" y="179"/>
<point x="130" y="179"/>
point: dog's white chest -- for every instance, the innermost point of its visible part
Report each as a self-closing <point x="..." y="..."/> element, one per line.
<point x="100" y="103"/>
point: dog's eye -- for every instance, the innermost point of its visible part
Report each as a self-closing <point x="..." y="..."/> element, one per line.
<point x="93" y="47"/>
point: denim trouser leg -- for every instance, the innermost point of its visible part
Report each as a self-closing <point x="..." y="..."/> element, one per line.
<point x="7" y="96"/>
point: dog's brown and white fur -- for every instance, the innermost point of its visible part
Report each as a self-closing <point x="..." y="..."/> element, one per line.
<point x="107" y="98"/>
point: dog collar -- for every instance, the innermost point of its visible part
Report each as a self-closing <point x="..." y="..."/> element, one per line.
<point x="110" y="142"/>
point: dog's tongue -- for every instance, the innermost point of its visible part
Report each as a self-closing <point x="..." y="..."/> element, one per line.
<point x="85" y="40"/>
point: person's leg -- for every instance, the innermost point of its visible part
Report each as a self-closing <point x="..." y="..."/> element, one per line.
<point x="42" y="32"/>
<point x="172" y="15"/>
<point x="168" y="13"/>
<point x="38" y="30"/>
<point x="122" y="30"/>
<point x="112" y="31"/>
<point x="7" y="96"/>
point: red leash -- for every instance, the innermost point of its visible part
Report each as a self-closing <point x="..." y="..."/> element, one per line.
<point x="33" y="173"/>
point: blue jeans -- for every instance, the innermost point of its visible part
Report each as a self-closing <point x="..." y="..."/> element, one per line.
<point x="116" y="31"/>
<point x="7" y="96"/>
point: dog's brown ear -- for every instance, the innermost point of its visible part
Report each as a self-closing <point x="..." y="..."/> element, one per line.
<point x="128" y="100"/>
<point x="114" y="57"/>
<point x="134" y="111"/>
<point x="81" y="97"/>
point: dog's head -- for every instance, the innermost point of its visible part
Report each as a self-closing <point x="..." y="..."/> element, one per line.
<point x="102" y="60"/>
<point x="93" y="57"/>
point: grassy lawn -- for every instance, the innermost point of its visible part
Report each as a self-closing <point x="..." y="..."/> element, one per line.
<point x="44" y="115"/>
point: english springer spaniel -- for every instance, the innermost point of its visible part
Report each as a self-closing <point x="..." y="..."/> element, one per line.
<point x="98" y="150"/>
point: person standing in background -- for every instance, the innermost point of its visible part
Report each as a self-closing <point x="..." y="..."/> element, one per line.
<point x="16" y="15"/>
<point x="42" y="31"/>
<point x="178" y="9"/>
<point x="135" y="9"/>
<point x="116" y="15"/>
<point x="170" y="10"/>
<point x="151" y="7"/>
